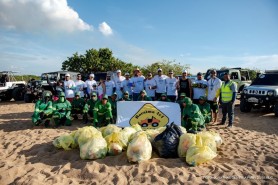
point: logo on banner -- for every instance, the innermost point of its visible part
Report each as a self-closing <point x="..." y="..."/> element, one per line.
<point x="148" y="116"/>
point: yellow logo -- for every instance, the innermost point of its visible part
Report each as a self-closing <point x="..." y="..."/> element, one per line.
<point x="149" y="117"/>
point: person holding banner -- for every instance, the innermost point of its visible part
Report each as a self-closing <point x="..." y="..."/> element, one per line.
<point x="164" y="98"/>
<point x="102" y="112"/>
<point x="143" y="96"/>
<point x="138" y="83"/>
<point x="192" y="118"/>
<point x="125" y="97"/>
<point x="149" y="85"/>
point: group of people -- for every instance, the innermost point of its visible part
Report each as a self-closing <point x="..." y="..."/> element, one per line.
<point x="199" y="99"/>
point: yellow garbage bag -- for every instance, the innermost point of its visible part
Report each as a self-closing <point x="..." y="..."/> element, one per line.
<point x="186" y="141"/>
<point x="206" y="139"/>
<point x="65" y="141"/>
<point x="152" y="133"/>
<point x="196" y="155"/>
<point x="139" y="148"/>
<point x="115" y="143"/>
<point x="95" y="148"/>
<point x="128" y="132"/>
<point x="217" y="137"/>
<point x="82" y="135"/>
<point x="109" y="129"/>
<point x="137" y="127"/>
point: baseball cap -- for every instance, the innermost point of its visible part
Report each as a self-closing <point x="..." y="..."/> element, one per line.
<point x="159" y="69"/>
<point x="202" y="98"/>
<point x="183" y="94"/>
<point x="171" y="71"/>
<point x="143" y="91"/>
<point x="126" y="93"/>
<point x="94" y="93"/>
<point x="163" y="94"/>
<point x="184" y="71"/>
<point x="105" y="97"/>
<point x="126" y="74"/>
<point x="119" y="71"/>
<point x="67" y="75"/>
<point x="92" y="75"/>
<point x="199" y="74"/>
<point x="226" y="73"/>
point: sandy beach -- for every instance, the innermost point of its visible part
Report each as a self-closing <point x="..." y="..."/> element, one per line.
<point x="249" y="155"/>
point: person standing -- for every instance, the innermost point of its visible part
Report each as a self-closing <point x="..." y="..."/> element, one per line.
<point x="149" y="85"/>
<point x="185" y="85"/>
<point x="199" y="88"/>
<point x="160" y="80"/>
<point x="126" y="85"/>
<point x="69" y="86"/>
<point x="118" y="81"/>
<point x="138" y="83"/>
<point x="228" y="92"/>
<point x="90" y="84"/>
<point x="171" y="86"/>
<point x="80" y="86"/>
<point x="213" y="91"/>
<point x="109" y="86"/>
<point x="101" y="89"/>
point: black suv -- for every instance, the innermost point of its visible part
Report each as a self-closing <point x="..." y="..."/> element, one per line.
<point x="263" y="92"/>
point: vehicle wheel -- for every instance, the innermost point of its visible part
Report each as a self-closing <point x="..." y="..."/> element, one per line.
<point x="276" y="110"/>
<point x="155" y="124"/>
<point x="17" y="94"/>
<point x="144" y="125"/>
<point x="27" y="98"/>
<point x="245" y="106"/>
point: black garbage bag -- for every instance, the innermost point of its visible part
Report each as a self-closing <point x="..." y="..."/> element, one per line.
<point x="166" y="144"/>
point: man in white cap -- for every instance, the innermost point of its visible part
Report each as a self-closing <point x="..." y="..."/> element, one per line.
<point x="126" y="85"/>
<point x="138" y="83"/>
<point x="150" y="85"/>
<point x="110" y="86"/>
<point x="185" y="85"/>
<point x="118" y="81"/>
<point x="160" y="80"/>
<point x="69" y="86"/>
<point x="91" y="85"/>
<point x="80" y="85"/>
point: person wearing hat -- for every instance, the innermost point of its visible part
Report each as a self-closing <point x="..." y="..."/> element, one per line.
<point x="185" y="85"/>
<point x="192" y="118"/>
<point x="90" y="105"/>
<point x="143" y="96"/>
<point x="126" y="85"/>
<point x="102" y="113"/>
<point x="199" y="88"/>
<point x="180" y="100"/>
<point x="118" y="81"/>
<point x="77" y="107"/>
<point x="113" y="102"/>
<point x="125" y="97"/>
<point x="109" y="86"/>
<point x="137" y="83"/>
<point x="43" y="110"/>
<point x="213" y="92"/>
<point x="171" y="86"/>
<point x="90" y="85"/>
<point x="228" y="93"/>
<point x="149" y="85"/>
<point x="62" y="111"/>
<point x="205" y="109"/>
<point x="69" y="86"/>
<point x="160" y="80"/>
<point x="80" y="85"/>
<point x="163" y="97"/>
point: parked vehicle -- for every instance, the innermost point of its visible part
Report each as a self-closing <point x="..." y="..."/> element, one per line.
<point x="263" y="92"/>
<point x="10" y="87"/>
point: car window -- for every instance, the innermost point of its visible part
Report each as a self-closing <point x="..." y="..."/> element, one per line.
<point x="266" y="79"/>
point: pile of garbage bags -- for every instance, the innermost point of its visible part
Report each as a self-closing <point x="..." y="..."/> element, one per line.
<point x="168" y="142"/>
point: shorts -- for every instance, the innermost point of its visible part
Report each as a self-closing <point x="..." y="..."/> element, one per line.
<point x="213" y="106"/>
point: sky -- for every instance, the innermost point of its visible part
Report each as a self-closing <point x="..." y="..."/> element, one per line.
<point x="36" y="36"/>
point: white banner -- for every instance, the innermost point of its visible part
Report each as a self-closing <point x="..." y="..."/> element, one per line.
<point x="148" y="114"/>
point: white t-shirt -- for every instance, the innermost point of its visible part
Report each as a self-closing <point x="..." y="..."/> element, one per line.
<point x="80" y="85"/>
<point x="138" y="82"/>
<point x="147" y="84"/>
<point x="200" y="90"/>
<point x="160" y="83"/>
<point x="127" y="86"/>
<point x="109" y="85"/>
<point x="118" y="82"/>
<point x="89" y="85"/>
<point x="100" y="90"/>
<point x="69" y="88"/>
<point x="213" y="85"/>
<point x="171" y="86"/>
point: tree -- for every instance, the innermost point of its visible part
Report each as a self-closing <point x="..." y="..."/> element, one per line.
<point x="165" y="65"/>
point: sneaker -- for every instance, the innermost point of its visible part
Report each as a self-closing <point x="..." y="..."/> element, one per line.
<point x="230" y="126"/>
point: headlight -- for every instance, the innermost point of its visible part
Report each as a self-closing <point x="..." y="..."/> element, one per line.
<point x="270" y="93"/>
<point x="245" y="91"/>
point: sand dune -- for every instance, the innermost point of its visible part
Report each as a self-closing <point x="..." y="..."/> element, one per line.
<point x="249" y="155"/>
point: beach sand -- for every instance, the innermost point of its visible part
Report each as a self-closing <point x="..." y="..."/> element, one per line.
<point x="249" y="155"/>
